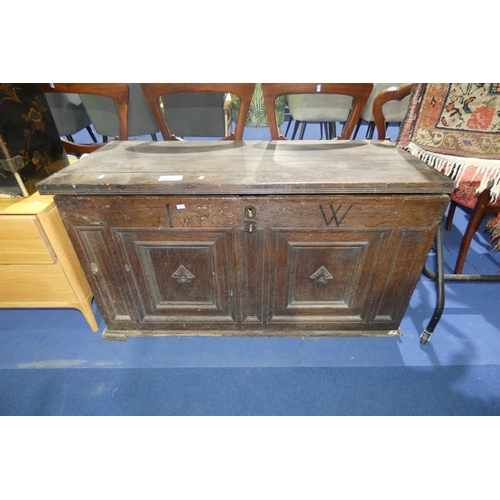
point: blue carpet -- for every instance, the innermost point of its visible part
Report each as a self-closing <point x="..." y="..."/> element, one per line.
<point x="450" y="390"/>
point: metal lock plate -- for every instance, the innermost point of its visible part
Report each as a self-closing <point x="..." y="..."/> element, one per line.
<point x="250" y="212"/>
<point x="250" y="225"/>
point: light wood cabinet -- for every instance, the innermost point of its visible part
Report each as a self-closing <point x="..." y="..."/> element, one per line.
<point x="38" y="265"/>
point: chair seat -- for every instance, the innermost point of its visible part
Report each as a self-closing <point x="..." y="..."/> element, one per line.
<point x="467" y="195"/>
<point x="319" y="108"/>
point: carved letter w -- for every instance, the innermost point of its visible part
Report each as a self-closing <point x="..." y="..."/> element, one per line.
<point x="334" y="215"/>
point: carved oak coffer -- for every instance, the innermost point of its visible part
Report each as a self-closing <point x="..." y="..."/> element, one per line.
<point x="285" y="238"/>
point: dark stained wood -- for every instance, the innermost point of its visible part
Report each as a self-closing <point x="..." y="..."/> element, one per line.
<point x="336" y="252"/>
<point x="153" y="92"/>
<point x="360" y="92"/>
<point x="235" y="167"/>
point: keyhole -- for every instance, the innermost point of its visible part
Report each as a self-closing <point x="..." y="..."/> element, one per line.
<point x="250" y="212"/>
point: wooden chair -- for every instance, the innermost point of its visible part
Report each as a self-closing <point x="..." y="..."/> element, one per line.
<point x="324" y="109"/>
<point x="464" y="195"/>
<point x="119" y="92"/>
<point x="393" y="112"/>
<point x="387" y="95"/>
<point x="360" y="92"/>
<point x="153" y="92"/>
<point x="480" y="208"/>
<point x="104" y="117"/>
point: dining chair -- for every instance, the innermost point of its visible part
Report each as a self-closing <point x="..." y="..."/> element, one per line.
<point x="104" y="117"/>
<point x="155" y="93"/>
<point x="471" y="193"/>
<point x="358" y="92"/>
<point x="118" y="92"/>
<point x="326" y="110"/>
<point x="394" y="111"/>
<point x="381" y="105"/>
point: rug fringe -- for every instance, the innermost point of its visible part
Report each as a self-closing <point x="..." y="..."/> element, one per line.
<point x="490" y="176"/>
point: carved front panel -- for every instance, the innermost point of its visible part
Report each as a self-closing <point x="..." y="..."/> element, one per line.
<point x="325" y="278"/>
<point x="179" y="276"/>
<point x="100" y="263"/>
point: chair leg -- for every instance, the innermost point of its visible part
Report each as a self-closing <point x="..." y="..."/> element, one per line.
<point x="288" y="126"/>
<point x="334" y="130"/>
<point x="451" y="213"/>
<point x="370" y="130"/>
<point x="295" y="128"/>
<point x="104" y="138"/>
<point x="153" y="136"/>
<point x="302" y="130"/>
<point x="330" y="131"/>
<point x="91" y="133"/>
<point x="356" y="130"/>
<point x="475" y="220"/>
<point x="70" y="138"/>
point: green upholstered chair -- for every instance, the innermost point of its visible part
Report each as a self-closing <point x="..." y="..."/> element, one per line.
<point x="346" y="103"/>
<point x="104" y="116"/>
<point x="164" y="98"/>
<point x="118" y="93"/>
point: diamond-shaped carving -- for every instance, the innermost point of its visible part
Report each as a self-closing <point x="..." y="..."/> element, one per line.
<point x="182" y="275"/>
<point x="321" y="276"/>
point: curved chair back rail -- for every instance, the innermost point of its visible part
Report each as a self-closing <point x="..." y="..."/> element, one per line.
<point x="360" y="92"/>
<point x="119" y="92"/>
<point x="390" y="94"/>
<point x="153" y="92"/>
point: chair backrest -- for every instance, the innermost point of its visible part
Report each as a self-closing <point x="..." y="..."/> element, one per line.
<point x="387" y="95"/>
<point x="119" y="92"/>
<point x="367" y="113"/>
<point x="154" y="91"/>
<point x="322" y="108"/>
<point x="358" y="91"/>
<point x="104" y="116"/>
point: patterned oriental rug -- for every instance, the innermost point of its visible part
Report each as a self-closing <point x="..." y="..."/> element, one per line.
<point x="455" y="128"/>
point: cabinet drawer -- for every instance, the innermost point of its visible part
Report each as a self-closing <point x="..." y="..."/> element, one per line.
<point x="23" y="241"/>
<point x="22" y="284"/>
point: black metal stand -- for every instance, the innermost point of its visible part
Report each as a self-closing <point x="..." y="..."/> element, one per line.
<point x="440" y="278"/>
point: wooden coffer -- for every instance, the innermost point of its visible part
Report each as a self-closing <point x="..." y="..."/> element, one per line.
<point x="251" y="264"/>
